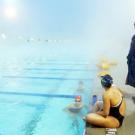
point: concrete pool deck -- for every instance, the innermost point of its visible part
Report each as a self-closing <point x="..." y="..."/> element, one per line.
<point x="128" y="126"/>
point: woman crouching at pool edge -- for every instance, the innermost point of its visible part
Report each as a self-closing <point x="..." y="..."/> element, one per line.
<point x="114" y="107"/>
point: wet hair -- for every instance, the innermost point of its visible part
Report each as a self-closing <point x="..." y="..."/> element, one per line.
<point x="106" y="81"/>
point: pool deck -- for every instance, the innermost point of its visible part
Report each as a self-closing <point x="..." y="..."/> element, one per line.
<point x="129" y="121"/>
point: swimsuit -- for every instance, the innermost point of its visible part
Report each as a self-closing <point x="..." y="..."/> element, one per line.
<point x="114" y="111"/>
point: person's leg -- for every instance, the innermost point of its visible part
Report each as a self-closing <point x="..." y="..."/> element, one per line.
<point x="98" y="106"/>
<point x="98" y="120"/>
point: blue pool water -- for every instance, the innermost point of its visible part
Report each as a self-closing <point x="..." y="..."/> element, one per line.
<point x="26" y="107"/>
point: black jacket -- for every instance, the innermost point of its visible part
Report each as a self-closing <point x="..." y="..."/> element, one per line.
<point x="131" y="64"/>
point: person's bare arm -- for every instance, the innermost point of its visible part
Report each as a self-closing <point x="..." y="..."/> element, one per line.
<point x="106" y="106"/>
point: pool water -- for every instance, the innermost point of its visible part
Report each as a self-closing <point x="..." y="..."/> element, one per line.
<point x="26" y="107"/>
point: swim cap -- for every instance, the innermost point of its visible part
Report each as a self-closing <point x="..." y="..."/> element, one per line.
<point x="77" y="98"/>
<point x="106" y="80"/>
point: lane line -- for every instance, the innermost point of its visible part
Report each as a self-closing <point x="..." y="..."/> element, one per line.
<point x="38" y="94"/>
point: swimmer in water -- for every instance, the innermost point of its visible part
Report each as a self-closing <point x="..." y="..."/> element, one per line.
<point x="76" y="106"/>
<point x="80" y="86"/>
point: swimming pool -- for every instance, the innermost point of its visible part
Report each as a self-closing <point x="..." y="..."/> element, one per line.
<point x="34" y="95"/>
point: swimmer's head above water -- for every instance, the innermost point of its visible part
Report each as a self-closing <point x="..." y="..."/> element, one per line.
<point x="106" y="81"/>
<point x="77" y="98"/>
<point x="76" y="107"/>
